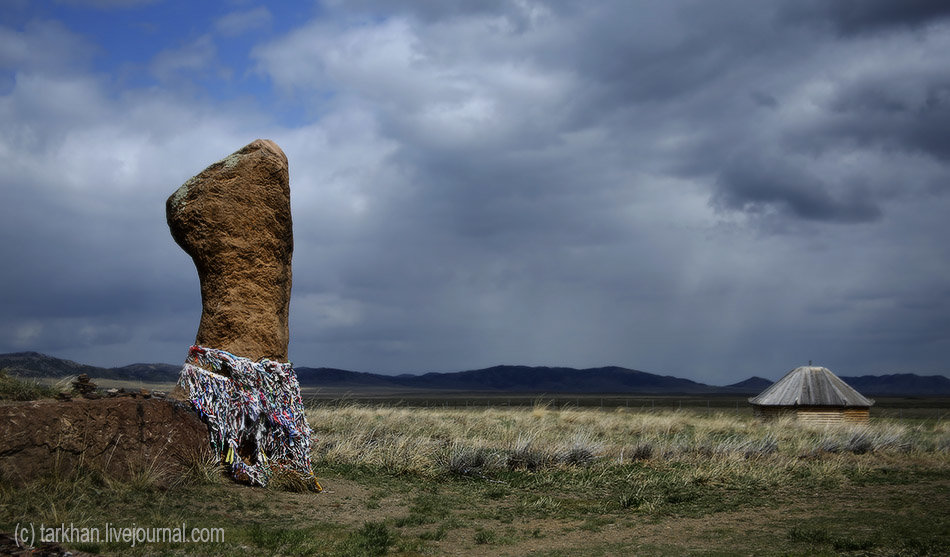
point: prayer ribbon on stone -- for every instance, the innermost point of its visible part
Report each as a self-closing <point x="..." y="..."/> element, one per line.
<point x="254" y="412"/>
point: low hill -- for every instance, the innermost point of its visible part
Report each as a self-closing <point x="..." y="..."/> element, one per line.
<point x="751" y="386"/>
<point x="156" y="373"/>
<point x="502" y="378"/>
<point x="34" y="364"/>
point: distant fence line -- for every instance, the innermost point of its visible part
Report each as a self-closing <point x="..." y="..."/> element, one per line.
<point x="935" y="409"/>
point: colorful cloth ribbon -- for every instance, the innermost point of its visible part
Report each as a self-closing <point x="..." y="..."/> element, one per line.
<point x="254" y="413"/>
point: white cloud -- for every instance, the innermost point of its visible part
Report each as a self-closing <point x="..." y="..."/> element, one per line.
<point x="199" y="55"/>
<point x="240" y="22"/>
<point x="381" y="58"/>
<point x="43" y="45"/>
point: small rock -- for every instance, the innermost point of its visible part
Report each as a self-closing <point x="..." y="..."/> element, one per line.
<point x="84" y="387"/>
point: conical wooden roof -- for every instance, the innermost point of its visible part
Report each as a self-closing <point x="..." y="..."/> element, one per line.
<point x="811" y="386"/>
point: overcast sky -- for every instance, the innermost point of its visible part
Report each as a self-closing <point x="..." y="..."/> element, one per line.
<point x="711" y="190"/>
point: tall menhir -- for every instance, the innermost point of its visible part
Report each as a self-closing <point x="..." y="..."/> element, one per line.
<point x="233" y="219"/>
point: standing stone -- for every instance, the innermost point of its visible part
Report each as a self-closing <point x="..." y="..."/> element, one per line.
<point x="233" y="219"/>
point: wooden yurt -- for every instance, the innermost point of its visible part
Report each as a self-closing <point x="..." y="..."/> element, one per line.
<point x="812" y="394"/>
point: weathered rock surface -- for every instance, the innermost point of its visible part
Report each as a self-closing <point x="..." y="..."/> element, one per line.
<point x="119" y="436"/>
<point x="233" y="219"/>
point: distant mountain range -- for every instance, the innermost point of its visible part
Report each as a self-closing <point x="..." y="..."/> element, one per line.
<point x="34" y="364"/>
<point x="523" y="379"/>
<point x="513" y="379"/>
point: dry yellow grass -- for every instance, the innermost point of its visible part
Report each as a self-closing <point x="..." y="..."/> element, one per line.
<point x="478" y="441"/>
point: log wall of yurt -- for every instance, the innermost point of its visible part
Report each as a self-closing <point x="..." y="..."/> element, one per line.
<point x="815" y="414"/>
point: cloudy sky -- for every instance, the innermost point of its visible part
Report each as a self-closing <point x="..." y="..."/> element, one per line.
<point x="704" y="189"/>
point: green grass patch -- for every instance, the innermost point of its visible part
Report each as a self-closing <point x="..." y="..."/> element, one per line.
<point x="372" y="539"/>
<point x="426" y="508"/>
<point x="485" y="537"/>
<point x="14" y="388"/>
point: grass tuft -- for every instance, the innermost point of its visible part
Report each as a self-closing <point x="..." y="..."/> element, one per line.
<point x="527" y="454"/>
<point x="642" y="451"/>
<point x="468" y="461"/>
<point x="373" y="539"/>
<point x="485" y="537"/>
<point x="14" y="388"/>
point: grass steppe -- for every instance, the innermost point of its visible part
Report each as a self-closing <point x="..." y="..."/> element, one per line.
<point x="545" y="480"/>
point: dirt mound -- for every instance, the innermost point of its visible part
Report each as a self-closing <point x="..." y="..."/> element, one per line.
<point x="121" y="436"/>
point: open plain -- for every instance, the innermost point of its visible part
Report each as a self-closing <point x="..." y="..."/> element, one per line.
<point x="494" y="478"/>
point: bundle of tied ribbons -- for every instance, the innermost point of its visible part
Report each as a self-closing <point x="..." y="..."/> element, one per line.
<point x="254" y="413"/>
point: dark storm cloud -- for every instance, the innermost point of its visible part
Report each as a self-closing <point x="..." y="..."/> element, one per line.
<point x="852" y="17"/>
<point x="757" y="186"/>
<point x="574" y="197"/>
<point x="643" y="53"/>
<point x="903" y="115"/>
<point x="74" y="279"/>
<point x="762" y="98"/>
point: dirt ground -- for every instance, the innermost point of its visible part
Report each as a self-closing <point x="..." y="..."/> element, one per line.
<point x="761" y="529"/>
<point x="906" y="516"/>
